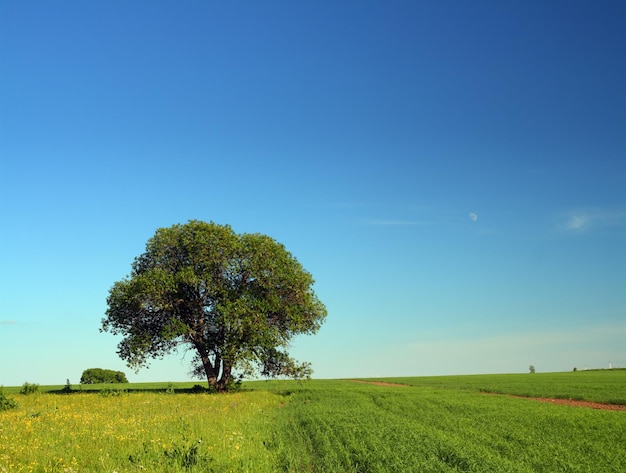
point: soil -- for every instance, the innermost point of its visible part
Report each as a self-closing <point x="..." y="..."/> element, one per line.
<point x="571" y="402"/>
<point x="564" y="402"/>
<point x="378" y="383"/>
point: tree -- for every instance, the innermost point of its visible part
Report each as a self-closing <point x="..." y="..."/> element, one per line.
<point x="99" y="375"/>
<point x="235" y="300"/>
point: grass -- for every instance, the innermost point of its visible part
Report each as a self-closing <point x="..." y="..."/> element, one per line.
<point x="436" y="424"/>
<point x="180" y="387"/>
<point x="352" y="427"/>
<point x="608" y="386"/>
<point x="142" y="431"/>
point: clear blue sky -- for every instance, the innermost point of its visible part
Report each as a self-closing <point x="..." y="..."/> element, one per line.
<point x="452" y="173"/>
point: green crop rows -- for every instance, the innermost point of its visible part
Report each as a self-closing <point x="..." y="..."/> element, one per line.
<point x="354" y="427"/>
<point x="607" y="386"/>
<point x="439" y="424"/>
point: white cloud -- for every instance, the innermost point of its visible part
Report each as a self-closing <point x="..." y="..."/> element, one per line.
<point x="582" y="220"/>
<point x="577" y="222"/>
<point x="473" y="216"/>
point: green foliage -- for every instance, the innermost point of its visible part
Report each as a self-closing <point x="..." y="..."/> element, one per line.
<point x="28" y="388"/>
<point x="99" y="375"/>
<point x="198" y="389"/>
<point x="236" y="299"/>
<point x="6" y="402"/>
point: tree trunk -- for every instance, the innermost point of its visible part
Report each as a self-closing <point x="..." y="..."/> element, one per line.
<point x="224" y="381"/>
<point x="211" y="376"/>
<point x="211" y="370"/>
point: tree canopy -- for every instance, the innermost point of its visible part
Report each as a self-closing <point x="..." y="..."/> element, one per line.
<point x="98" y="375"/>
<point x="235" y="300"/>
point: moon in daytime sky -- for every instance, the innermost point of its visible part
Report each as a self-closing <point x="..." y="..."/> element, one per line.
<point x="473" y="217"/>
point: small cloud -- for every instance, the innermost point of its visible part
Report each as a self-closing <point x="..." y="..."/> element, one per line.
<point x="8" y="322"/>
<point x="583" y="220"/>
<point x="473" y="216"/>
<point x="577" y="222"/>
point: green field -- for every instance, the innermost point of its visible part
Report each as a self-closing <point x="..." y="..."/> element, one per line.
<point x="434" y="424"/>
<point x="607" y="386"/>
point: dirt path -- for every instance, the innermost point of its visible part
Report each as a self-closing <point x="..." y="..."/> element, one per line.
<point x="564" y="402"/>
<point x="570" y="402"/>
<point x="378" y="383"/>
<point x="567" y="402"/>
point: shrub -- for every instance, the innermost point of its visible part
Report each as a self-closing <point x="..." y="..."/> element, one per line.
<point x="28" y="388"/>
<point x="6" y="402"/>
<point x="67" y="389"/>
<point x="198" y="389"/>
<point x="99" y="375"/>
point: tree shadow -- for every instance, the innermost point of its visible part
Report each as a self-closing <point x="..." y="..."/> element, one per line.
<point x="122" y="389"/>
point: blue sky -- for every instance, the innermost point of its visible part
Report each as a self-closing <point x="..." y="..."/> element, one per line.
<point x="453" y="174"/>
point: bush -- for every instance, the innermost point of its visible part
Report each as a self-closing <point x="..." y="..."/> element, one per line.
<point x="6" y="402"/>
<point x="67" y="389"/>
<point x="198" y="389"/>
<point x="28" y="388"/>
<point x="99" y="375"/>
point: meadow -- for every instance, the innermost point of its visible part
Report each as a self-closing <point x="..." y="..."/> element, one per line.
<point x="431" y="424"/>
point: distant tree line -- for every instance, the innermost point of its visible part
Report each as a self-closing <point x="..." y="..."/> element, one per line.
<point x="99" y="375"/>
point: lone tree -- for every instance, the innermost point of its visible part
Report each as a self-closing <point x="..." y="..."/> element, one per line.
<point x="235" y="300"/>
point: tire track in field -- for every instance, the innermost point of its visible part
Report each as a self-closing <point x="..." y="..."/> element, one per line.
<point x="377" y="383"/>
<point x="563" y="402"/>
<point x="574" y="403"/>
<point x="604" y="406"/>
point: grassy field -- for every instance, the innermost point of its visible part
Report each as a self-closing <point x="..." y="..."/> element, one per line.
<point x="607" y="386"/>
<point x="139" y="431"/>
<point x="436" y="424"/>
